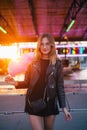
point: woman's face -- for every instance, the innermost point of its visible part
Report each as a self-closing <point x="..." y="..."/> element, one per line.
<point x="45" y="46"/>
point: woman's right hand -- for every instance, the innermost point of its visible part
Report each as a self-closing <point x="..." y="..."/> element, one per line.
<point x="10" y="79"/>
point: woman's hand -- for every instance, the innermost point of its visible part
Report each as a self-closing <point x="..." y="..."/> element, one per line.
<point x="67" y="114"/>
<point x="10" y="79"/>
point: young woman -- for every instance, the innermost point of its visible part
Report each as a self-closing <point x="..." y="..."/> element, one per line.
<point x="46" y="72"/>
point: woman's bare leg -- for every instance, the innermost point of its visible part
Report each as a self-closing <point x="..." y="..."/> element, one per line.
<point x="49" y="122"/>
<point x="36" y="122"/>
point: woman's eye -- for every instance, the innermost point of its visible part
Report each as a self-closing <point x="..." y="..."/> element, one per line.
<point x="44" y="44"/>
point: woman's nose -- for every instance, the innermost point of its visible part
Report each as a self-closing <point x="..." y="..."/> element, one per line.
<point x="44" y="46"/>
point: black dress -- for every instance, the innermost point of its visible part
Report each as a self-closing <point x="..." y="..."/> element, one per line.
<point x="38" y="91"/>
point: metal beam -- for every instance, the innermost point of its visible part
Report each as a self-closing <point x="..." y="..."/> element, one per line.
<point x="73" y="11"/>
<point x="32" y="9"/>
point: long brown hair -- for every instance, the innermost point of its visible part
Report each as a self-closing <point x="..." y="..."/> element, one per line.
<point x="52" y="55"/>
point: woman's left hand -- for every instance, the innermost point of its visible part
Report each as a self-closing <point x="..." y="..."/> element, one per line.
<point x="67" y="114"/>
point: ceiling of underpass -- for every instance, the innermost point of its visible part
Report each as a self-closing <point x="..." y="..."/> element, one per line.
<point x="25" y="20"/>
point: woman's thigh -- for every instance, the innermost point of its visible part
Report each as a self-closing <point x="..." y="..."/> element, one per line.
<point x="36" y="122"/>
<point x="49" y="122"/>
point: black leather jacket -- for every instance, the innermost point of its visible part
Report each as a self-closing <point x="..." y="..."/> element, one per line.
<point x="54" y="80"/>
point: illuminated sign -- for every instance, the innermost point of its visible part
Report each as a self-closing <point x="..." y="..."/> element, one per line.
<point x="62" y="50"/>
<point x="72" y="50"/>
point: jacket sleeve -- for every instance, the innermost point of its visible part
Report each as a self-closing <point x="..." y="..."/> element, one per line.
<point x="60" y="85"/>
<point x="25" y="83"/>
